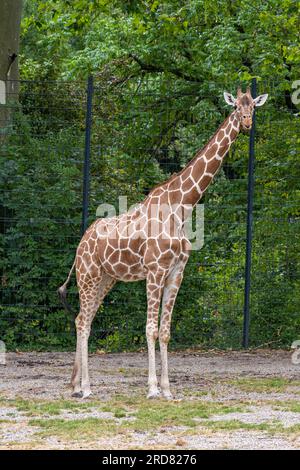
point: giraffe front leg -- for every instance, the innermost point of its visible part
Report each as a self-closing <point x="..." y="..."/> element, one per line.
<point x="171" y="289"/>
<point x="155" y="282"/>
<point x="152" y="334"/>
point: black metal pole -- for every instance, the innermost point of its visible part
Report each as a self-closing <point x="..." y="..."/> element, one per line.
<point x="87" y="155"/>
<point x="249" y="225"/>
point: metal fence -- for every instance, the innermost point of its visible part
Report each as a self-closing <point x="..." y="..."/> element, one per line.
<point x="67" y="147"/>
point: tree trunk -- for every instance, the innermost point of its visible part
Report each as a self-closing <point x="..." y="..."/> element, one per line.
<point x="10" y="20"/>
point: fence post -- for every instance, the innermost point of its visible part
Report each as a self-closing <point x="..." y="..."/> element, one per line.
<point x="87" y="155"/>
<point x="249" y="225"/>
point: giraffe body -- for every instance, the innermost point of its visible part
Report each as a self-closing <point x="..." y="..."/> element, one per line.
<point x="128" y="245"/>
<point x="149" y="242"/>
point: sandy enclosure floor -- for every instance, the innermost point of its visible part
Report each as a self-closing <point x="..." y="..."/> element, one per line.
<point x="263" y="386"/>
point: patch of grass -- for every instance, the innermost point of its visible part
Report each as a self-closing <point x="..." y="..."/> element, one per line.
<point x="126" y="401"/>
<point x="267" y="384"/>
<point x="49" y="408"/>
<point x="273" y="427"/>
<point x="132" y="372"/>
<point x="292" y="430"/>
<point x="234" y="424"/>
<point x="293" y="406"/>
<point x="151" y="415"/>
<point x="79" y="429"/>
<point x="117" y="410"/>
<point x="120" y="413"/>
<point x="28" y="445"/>
<point x="193" y="393"/>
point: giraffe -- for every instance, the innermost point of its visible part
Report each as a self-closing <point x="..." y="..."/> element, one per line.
<point x="149" y="242"/>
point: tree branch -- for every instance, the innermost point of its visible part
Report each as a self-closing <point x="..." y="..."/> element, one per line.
<point x="155" y="68"/>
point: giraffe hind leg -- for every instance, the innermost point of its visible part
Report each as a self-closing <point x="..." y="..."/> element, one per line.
<point x="92" y="290"/>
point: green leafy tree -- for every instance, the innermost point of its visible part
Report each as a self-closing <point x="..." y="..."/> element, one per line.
<point x="160" y="69"/>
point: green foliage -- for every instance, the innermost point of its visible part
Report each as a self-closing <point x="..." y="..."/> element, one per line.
<point x="160" y="70"/>
<point x="200" y="41"/>
<point x="39" y="188"/>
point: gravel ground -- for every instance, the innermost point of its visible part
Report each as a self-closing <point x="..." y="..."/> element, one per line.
<point x="47" y="375"/>
<point x="195" y="375"/>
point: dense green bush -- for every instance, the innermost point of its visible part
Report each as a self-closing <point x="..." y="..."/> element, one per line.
<point x="41" y="178"/>
<point x="160" y="70"/>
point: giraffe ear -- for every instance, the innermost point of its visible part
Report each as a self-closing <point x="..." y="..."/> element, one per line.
<point x="260" y="100"/>
<point x="229" y="99"/>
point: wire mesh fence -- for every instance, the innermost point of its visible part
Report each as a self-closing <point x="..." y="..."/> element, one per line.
<point x="141" y="133"/>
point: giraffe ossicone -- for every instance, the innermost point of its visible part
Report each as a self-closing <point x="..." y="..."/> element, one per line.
<point x="149" y="242"/>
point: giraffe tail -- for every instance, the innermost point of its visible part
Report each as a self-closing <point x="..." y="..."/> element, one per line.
<point x="62" y="291"/>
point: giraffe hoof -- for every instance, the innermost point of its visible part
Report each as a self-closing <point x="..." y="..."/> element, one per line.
<point x="153" y="394"/>
<point x="168" y="395"/>
<point x="77" y="395"/>
<point x="86" y="394"/>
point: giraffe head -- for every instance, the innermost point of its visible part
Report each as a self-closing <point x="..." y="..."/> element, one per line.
<point x="244" y="105"/>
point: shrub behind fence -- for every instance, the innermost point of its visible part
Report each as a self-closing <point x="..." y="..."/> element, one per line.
<point x="140" y="134"/>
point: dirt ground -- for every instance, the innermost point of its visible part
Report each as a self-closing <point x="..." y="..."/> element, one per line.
<point x="236" y="400"/>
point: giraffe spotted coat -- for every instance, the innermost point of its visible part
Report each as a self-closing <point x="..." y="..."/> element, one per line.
<point x="149" y="242"/>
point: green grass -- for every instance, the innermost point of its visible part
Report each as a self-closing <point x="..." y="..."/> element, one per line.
<point x="151" y="417"/>
<point x="293" y="406"/>
<point x="235" y="424"/>
<point x="75" y="430"/>
<point x="120" y="413"/>
<point x="151" y="414"/>
<point x="272" y="428"/>
<point x="193" y="393"/>
<point x="48" y="408"/>
<point x="147" y="415"/>
<point x="261" y="385"/>
<point x="157" y="414"/>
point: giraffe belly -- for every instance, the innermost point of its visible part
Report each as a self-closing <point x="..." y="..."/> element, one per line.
<point x="122" y="272"/>
<point x="121" y="262"/>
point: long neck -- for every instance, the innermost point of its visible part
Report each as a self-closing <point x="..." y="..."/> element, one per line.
<point x="200" y="171"/>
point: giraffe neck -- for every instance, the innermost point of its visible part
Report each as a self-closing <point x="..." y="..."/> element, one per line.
<point x="194" y="179"/>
